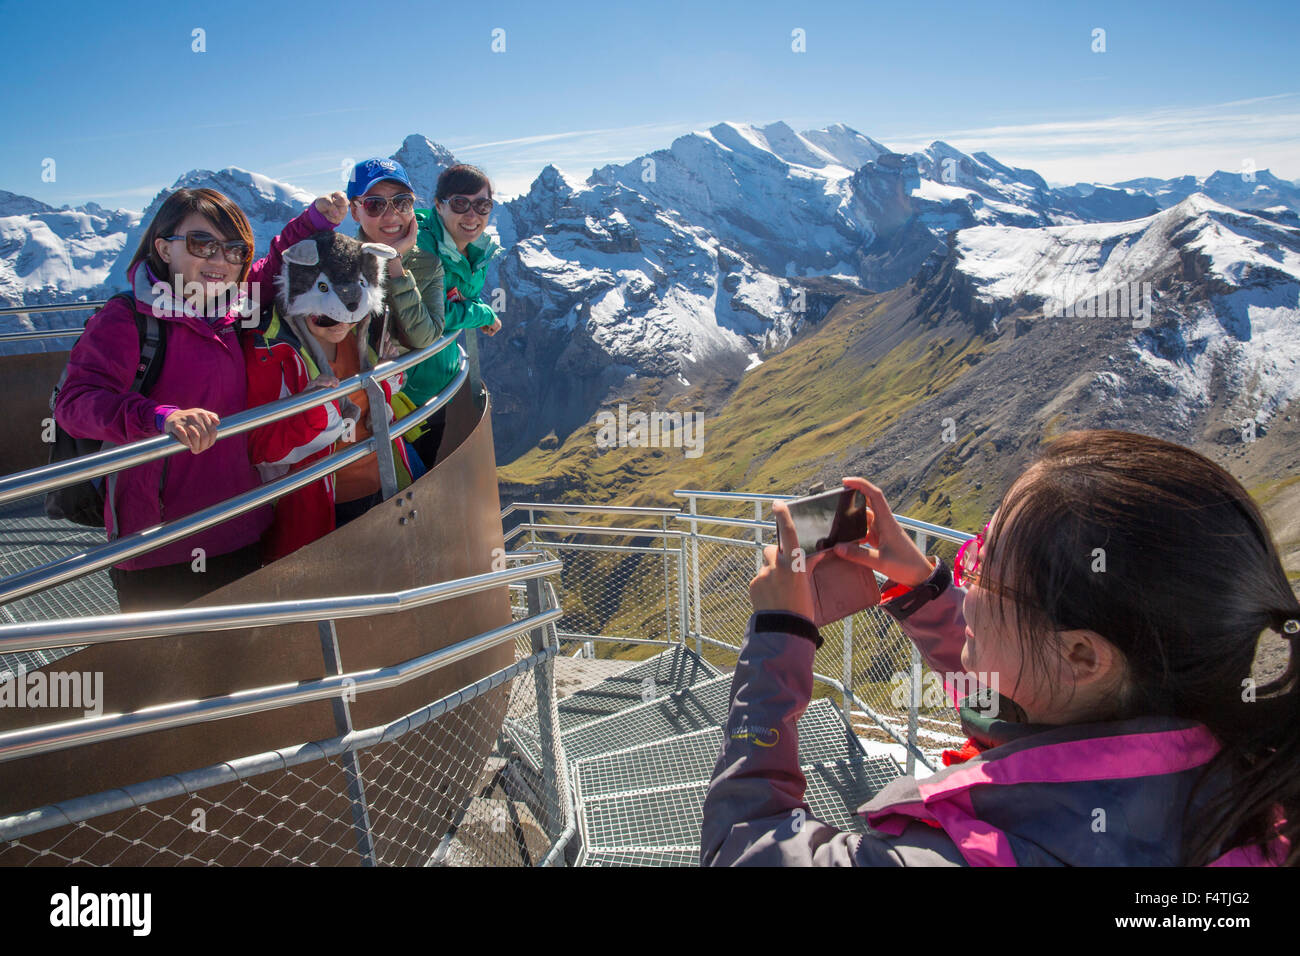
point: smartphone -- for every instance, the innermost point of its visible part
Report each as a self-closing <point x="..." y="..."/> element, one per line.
<point x="824" y="520"/>
<point x="840" y="587"/>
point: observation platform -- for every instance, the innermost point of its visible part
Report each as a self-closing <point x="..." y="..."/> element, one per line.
<point x="392" y="694"/>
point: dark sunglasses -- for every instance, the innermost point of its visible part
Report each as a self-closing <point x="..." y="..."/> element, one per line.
<point x="376" y="206"/>
<point x="203" y="246"/>
<point x="324" y="322"/>
<point x="464" y="204"/>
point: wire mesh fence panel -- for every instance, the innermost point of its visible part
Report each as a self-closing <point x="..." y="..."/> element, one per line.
<point x="882" y="680"/>
<point x="724" y="573"/>
<point x="879" y="670"/>
<point x="448" y="791"/>
<point x="614" y="585"/>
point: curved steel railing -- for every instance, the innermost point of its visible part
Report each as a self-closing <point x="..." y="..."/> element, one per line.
<point x="555" y="809"/>
<point x="46" y="738"/>
<point x="46" y="333"/>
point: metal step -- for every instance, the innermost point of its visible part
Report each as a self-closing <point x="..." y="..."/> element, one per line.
<point x="669" y="817"/>
<point x="658" y="677"/>
<point x="690" y="758"/>
<point x="28" y="539"/>
<point x="681" y="712"/>
<point x="645" y="857"/>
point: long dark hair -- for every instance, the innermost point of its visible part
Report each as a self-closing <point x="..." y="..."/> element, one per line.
<point x="461" y="180"/>
<point x="220" y="210"/>
<point x="1191" y="580"/>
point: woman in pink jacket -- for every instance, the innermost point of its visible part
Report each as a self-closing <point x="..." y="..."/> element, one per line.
<point x="196" y="253"/>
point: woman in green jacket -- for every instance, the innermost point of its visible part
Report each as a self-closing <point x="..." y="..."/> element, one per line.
<point x="455" y="231"/>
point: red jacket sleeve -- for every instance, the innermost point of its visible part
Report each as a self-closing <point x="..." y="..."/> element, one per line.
<point x="96" y="400"/>
<point x="293" y="439"/>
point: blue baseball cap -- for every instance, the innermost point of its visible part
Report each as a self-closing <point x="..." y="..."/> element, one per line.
<point x="370" y="171"/>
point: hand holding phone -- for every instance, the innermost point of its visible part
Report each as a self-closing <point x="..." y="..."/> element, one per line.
<point x="840" y="587"/>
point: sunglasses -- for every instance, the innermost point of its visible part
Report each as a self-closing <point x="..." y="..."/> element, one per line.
<point x="324" y="322"/>
<point x="965" y="570"/>
<point x="376" y="206"/>
<point x="203" y="246"/>
<point x="464" y="204"/>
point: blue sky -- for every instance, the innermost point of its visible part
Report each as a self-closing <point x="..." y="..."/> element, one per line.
<point x="115" y="94"/>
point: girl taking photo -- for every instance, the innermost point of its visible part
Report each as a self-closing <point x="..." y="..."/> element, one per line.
<point x="1131" y="730"/>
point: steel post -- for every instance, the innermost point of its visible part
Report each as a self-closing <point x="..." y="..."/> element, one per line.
<point x="695" y="579"/>
<point x="329" y="644"/>
<point x="922" y="542"/>
<point x="384" y="449"/>
<point x="544" y="687"/>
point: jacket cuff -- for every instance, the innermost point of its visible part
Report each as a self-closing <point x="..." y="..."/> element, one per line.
<point x="160" y="414"/>
<point x="318" y="219"/>
<point x="901" y="601"/>
<point x="786" y="623"/>
<point x="404" y="283"/>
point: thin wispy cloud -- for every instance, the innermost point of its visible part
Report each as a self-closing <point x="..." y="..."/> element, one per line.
<point x="573" y="134"/>
<point x="1261" y="131"/>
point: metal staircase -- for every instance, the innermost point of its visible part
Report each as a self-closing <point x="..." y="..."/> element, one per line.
<point x="640" y="748"/>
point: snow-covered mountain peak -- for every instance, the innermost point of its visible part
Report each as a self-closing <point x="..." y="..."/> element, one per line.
<point x="1198" y="290"/>
<point x="850" y="148"/>
<point x="244" y="187"/>
<point x="12" y="204"/>
<point x="424" y="160"/>
<point x="1006" y="263"/>
<point x="267" y="202"/>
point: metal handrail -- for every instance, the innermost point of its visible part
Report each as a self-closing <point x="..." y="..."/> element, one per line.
<point x="40" y="334"/>
<point x="598" y="529"/>
<point x="598" y="509"/>
<point x="727" y="495"/>
<point x="46" y="478"/>
<point x="120" y="549"/>
<point x="70" y="307"/>
<point x="141" y="625"/>
<point x="914" y="524"/>
<point x="146" y="624"/>
<point x="74" y="733"/>
<point x="187" y="782"/>
<point x="718" y="519"/>
<point x="47" y="333"/>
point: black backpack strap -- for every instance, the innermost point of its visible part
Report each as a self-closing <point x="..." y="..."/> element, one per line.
<point x="153" y="342"/>
<point x="152" y="336"/>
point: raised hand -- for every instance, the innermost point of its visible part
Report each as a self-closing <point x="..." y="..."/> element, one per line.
<point x="333" y="207"/>
<point x="778" y="586"/>
<point x="406" y="241"/>
<point x="889" y="549"/>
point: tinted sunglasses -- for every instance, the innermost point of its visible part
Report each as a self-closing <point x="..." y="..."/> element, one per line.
<point x="376" y="206"/>
<point x="464" y="204"/>
<point x="966" y="569"/>
<point x="201" y="245"/>
<point x="324" y="322"/>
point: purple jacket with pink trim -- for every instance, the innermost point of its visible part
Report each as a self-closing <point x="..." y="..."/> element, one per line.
<point x="1101" y="794"/>
<point x="203" y="367"/>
